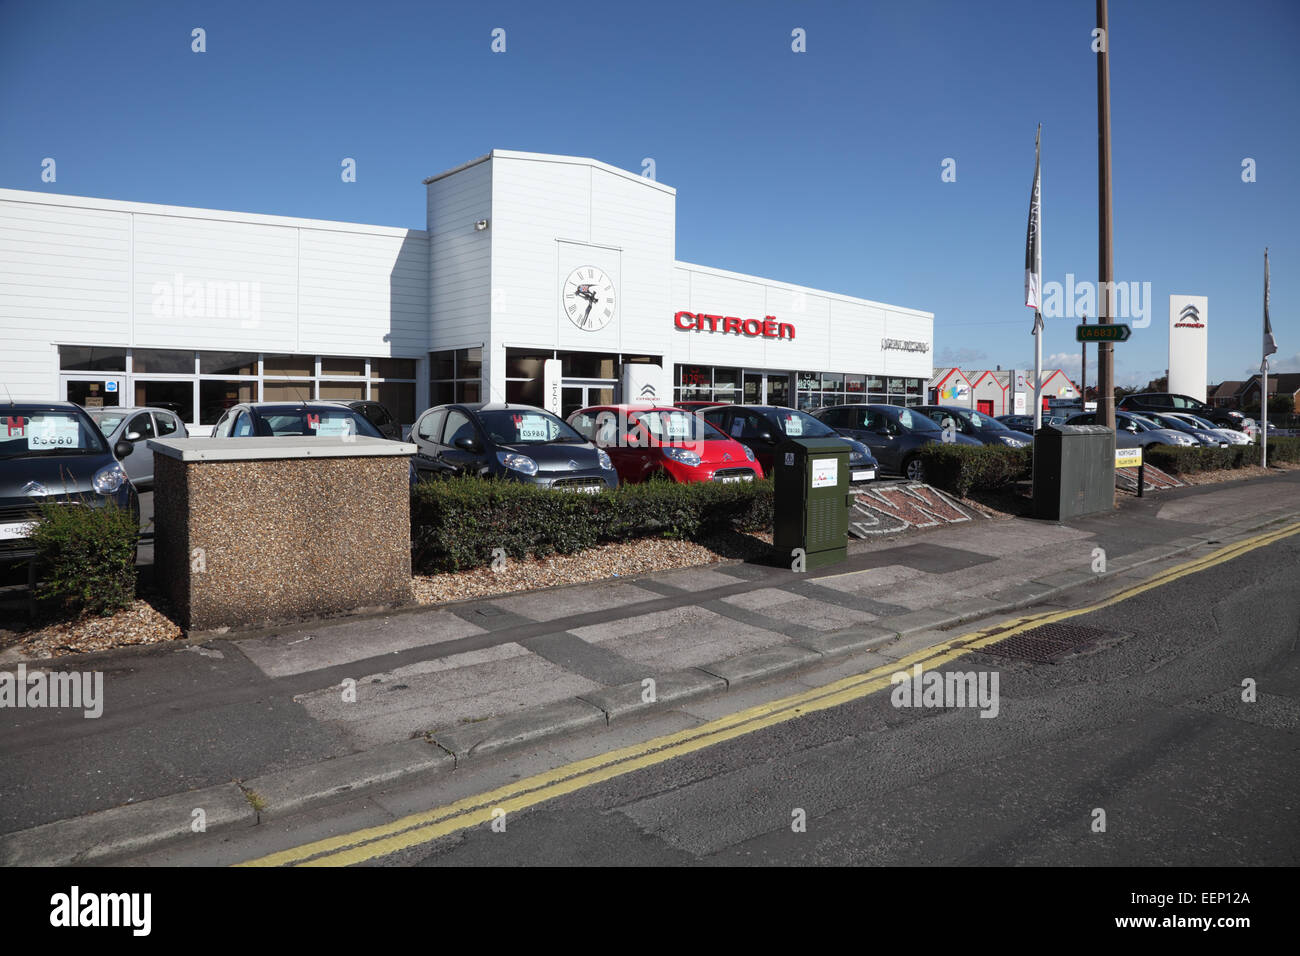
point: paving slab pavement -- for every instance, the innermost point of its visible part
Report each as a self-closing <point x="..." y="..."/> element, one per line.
<point x="277" y="707"/>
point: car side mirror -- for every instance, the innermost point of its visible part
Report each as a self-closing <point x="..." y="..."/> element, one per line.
<point x="468" y="444"/>
<point x="767" y="437"/>
<point x="123" y="449"/>
<point x="133" y="436"/>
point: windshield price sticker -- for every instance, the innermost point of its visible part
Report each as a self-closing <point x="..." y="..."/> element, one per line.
<point x="533" y="428"/>
<point x="53" y="433"/>
<point x="336" y="426"/>
<point x="793" y="426"/>
<point x="677" y="426"/>
<point x="15" y="426"/>
<point x="825" y="472"/>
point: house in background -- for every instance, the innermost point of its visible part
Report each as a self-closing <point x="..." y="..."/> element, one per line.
<point x="1225" y="395"/>
<point x="1284" y="383"/>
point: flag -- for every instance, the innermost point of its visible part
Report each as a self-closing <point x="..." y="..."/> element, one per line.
<point x="1033" y="250"/>
<point x="1270" y="345"/>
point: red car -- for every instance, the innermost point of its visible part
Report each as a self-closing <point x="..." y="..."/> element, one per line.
<point x="664" y="442"/>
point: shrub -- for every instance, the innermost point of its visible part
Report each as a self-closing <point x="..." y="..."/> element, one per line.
<point x="961" y="469"/>
<point x="458" y="523"/>
<point x="1178" y="460"/>
<point x="85" y="556"/>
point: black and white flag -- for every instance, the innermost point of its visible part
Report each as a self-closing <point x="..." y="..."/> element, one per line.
<point x="1270" y="345"/>
<point x="1033" y="246"/>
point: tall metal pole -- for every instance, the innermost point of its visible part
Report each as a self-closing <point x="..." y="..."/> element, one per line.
<point x="1105" y="262"/>
<point x="1263" y="416"/>
<point x="1083" y="383"/>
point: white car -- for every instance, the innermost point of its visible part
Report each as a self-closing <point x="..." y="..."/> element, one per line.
<point x="1230" y="435"/>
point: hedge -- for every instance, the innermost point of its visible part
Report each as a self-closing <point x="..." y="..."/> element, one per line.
<point x="85" y="557"/>
<point x="1181" y="460"/>
<point x="458" y="523"/>
<point x="961" y="469"/>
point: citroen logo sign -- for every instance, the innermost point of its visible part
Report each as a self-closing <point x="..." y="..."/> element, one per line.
<point x="34" y="489"/>
<point x="573" y="465"/>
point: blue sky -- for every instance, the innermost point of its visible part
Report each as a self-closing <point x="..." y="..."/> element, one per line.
<point x="821" y="168"/>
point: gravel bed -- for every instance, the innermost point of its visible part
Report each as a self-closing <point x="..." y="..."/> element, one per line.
<point x="616" y="560"/>
<point x="141" y="623"/>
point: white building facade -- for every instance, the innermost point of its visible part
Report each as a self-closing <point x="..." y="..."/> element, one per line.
<point x="540" y="279"/>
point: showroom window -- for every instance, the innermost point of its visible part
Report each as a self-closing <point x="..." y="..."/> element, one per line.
<point x="820" y="389"/>
<point x="200" y="386"/>
<point x="455" y="376"/>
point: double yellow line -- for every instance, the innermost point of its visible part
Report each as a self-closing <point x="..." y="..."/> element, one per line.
<point x="374" y="842"/>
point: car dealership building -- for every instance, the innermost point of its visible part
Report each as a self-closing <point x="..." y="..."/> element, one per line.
<point x="549" y="280"/>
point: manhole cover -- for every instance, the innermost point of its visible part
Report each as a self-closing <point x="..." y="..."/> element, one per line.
<point x="1050" y="642"/>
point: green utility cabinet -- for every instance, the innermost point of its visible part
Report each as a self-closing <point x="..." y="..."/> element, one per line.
<point x="811" y="504"/>
<point x="1074" y="471"/>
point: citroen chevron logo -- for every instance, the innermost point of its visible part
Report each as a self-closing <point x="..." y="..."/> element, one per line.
<point x="647" y="390"/>
<point x="1189" y="318"/>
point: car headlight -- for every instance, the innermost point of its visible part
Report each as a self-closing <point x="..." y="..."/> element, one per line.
<point x="1184" y="440"/>
<point x="109" y="478"/>
<point x="517" y="462"/>
<point x="749" y="452"/>
<point x="688" y="458"/>
<point x="1013" y="442"/>
<point x="603" y="458"/>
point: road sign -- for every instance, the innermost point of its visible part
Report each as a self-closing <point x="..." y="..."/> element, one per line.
<point x="1128" y="457"/>
<point x="1102" y="333"/>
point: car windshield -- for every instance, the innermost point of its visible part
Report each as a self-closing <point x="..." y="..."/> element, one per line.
<point x="320" y="422"/>
<point x="1143" y="424"/>
<point x="1200" y="422"/>
<point x="984" y="422"/>
<point x="674" y="427"/>
<point x="48" y="433"/>
<point x="916" y="422"/>
<point x="797" y="424"/>
<point x="107" y="421"/>
<point x="526" y="426"/>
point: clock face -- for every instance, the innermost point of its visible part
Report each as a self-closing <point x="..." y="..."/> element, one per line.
<point x="588" y="298"/>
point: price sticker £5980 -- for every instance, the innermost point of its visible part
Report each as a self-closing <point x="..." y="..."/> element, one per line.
<point x="58" y="432"/>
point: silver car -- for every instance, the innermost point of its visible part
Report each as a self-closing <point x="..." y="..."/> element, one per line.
<point x="137" y="426"/>
<point x="1229" y="435"/>
<point x="1132" y="431"/>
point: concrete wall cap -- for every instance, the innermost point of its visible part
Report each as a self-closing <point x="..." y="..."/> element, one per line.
<point x="264" y="448"/>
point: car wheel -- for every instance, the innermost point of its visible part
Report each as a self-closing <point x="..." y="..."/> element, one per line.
<point x="913" y="469"/>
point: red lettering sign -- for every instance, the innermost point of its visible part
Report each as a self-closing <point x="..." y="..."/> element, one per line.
<point x="767" y="327"/>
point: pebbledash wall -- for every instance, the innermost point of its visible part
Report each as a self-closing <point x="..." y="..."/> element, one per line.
<point x="543" y="279"/>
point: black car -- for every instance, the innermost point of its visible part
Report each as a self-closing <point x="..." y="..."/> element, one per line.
<point x="53" y="451"/>
<point x="1172" y="402"/>
<point x="379" y="416"/>
<point x="292" y="419"/>
<point x="1021" y="423"/>
<point x="517" y="442"/>
<point x="761" y="427"/>
<point x="894" y="434"/>
<point x="982" y="428"/>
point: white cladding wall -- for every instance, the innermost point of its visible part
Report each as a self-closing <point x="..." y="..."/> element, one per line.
<point x="833" y="333"/>
<point x="101" y="272"/>
<point x="64" y="276"/>
<point x="460" y="258"/>
<point x="551" y="215"/>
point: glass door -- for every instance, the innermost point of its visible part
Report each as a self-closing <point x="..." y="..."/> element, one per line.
<point x="93" y="391"/>
<point x="577" y="394"/>
<point x="778" y="390"/>
<point x="753" y="394"/>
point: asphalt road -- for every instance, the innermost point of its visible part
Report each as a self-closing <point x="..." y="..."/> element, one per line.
<point x="1151" y="729"/>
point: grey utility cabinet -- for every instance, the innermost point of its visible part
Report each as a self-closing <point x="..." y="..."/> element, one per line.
<point x="1074" y="471"/>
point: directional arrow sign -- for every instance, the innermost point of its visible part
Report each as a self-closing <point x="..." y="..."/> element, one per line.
<point x="1102" y="333"/>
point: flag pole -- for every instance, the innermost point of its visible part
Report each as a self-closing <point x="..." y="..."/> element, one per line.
<point x="1270" y="346"/>
<point x="1263" y="414"/>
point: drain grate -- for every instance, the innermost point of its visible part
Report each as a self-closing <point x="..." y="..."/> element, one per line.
<point x="1050" y="642"/>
